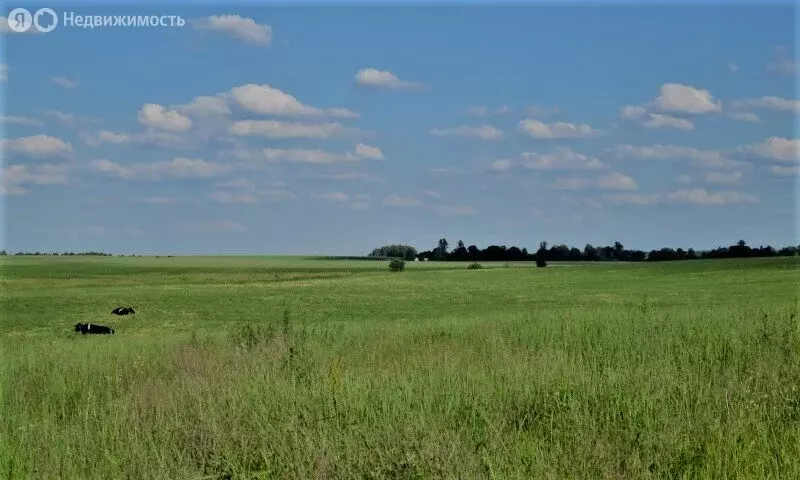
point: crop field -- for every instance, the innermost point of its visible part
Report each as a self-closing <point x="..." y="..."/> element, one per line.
<point x="295" y="368"/>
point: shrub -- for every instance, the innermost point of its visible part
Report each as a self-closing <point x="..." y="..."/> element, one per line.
<point x="541" y="262"/>
<point x="474" y="266"/>
<point x="397" y="265"/>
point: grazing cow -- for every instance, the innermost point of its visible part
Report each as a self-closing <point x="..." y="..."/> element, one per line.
<point x="123" y="310"/>
<point x="92" y="329"/>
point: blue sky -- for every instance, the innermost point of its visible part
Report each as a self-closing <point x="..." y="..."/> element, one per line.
<point x="337" y="129"/>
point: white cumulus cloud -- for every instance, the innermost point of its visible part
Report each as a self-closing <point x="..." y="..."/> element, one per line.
<point x="241" y="28"/>
<point x="483" y="132"/>
<point x="176" y="169"/>
<point x="37" y="146"/>
<point x="380" y="78"/>
<point x="156" y="116"/>
<point x="562" y="158"/>
<point x="267" y="100"/>
<point x="679" y="98"/>
<point x="557" y="130"/>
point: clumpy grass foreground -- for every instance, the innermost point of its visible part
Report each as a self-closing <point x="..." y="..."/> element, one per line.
<point x="670" y="371"/>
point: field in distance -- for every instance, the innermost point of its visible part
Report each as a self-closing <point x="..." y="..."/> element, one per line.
<point x="301" y="367"/>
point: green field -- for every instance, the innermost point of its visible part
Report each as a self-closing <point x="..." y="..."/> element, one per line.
<point x="291" y="367"/>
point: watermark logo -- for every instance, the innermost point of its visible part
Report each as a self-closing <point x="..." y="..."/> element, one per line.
<point x="19" y="20"/>
<point x="45" y="20"/>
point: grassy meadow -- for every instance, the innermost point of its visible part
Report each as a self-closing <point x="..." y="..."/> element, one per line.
<point x="295" y="368"/>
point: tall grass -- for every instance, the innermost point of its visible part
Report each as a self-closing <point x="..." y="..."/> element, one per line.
<point x="632" y="388"/>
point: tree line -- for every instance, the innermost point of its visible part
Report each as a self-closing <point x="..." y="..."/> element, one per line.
<point x="564" y="253"/>
<point x="56" y="254"/>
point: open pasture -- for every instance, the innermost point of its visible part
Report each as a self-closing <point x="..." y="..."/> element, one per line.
<point x="295" y="367"/>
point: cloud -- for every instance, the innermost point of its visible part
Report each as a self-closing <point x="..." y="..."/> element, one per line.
<point x="377" y="78"/>
<point x="769" y="102"/>
<point x="733" y="67"/>
<point x="398" y="201"/>
<point x="156" y="116"/>
<point x="21" y="120"/>
<point x="538" y="111"/>
<point x="654" y="120"/>
<point x="483" y="132"/>
<point x="321" y="157"/>
<point x="572" y="183"/>
<point x="68" y="119"/>
<point x="369" y="152"/>
<point x="632" y="199"/>
<point x="242" y="190"/>
<point x="775" y="148"/>
<point x="455" y="210"/>
<point x="699" y="196"/>
<point x="695" y="196"/>
<point x="64" y="82"/>
<point x="616" y="181"/>
<point x="612" y="181"/>
<point x="561" y="159"/>
<point x="278" y="129"/>
<point x="176" y="169"/>
<point x="351" y="175"/>
<point x="484" y="112"/>
<point x="781" y="170"/>
<point x="167" y="140"/>
<point x="3" y="68"/>
<point x="659" y="120"/>
<point x="782" y="62"/>
<point x="679" y="98"/>
<point x="205" y="105"/>
<point x="239" y="183"/>
<point x="500" y="165"/>
<point x="14" y="177"/>
<point x="240" y="28"/>
<point x="277" y="195"/>
<point x="432" y="194"/>
<point x="337" y="197"/>
<point x="266" y="100"/>
<point x="702" y="158"/>
<point x="223" y="196"/>
<point x="723" y="177"/>
<point x="9" y="190"/>
<point x="745" y="117"/>
<point x="714" y="177"/>
<point x="218" y="226"/>
<point x="557" y="130"/>
<point x="37" y="146"/>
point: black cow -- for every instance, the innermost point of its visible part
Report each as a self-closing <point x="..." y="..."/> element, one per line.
<point x="123" y="310"/>
<point x="92" y="329"/>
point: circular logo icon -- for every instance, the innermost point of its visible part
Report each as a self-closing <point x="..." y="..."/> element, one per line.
<point x="45" y="20"/>
<point x="19" y="20"/>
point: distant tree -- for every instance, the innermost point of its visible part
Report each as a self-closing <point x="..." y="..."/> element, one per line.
<point x="440" y="252"/>
<point x="590" y="253"/>
<point x="3" y="252"/>
<point x="473" y="253"/>
<point x="460" y="253"/>
<point x="541" y="261"/>
<point x="619" y="249"/>
<point x="691" y="254"/>
<point x="397" y="265"/>
<point x="514" y="254"/>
